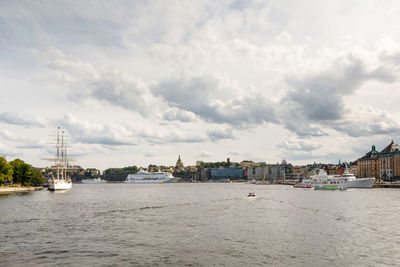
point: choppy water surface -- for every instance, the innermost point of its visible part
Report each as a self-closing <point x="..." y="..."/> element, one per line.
<point x="200" y="224"/>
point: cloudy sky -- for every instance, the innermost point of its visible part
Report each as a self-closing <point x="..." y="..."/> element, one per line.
<point x="140" y="82"/>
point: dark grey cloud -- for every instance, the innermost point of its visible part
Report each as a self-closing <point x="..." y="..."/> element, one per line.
<point x="179" y="115"/>
<point x="94" y="133"/>
<point x="12" y="118"/>
<point x="220" y="133"/>
<point x="206" y="97"/>
<point x="90" y="82"/>
<point x="320" y="97"/>
<point x="317" y="101"/>
<point x="369" y="122"/>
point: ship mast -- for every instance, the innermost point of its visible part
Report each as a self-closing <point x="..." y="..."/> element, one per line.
<point x="58" y="153"/>
<point x="62" y="155"/>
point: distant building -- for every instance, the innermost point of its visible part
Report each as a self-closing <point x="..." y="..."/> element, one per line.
<point x="354" y="169"/>
<point x="257" y="173"/>
<point x="384" y="165"/>
<point x="179" y="164"/>
<point x="192" y="168"/>
<point x="368" y="165"/>
<point x="389" y="160"/>
<point x="204" y="174"/>
<point x="248" y="163"/>
<point x="226" y="173"/>
<point x="199" y="163"/>
<point x="152" y="168"/>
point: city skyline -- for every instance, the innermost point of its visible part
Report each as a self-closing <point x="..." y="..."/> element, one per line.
<point x="143" y="82"/>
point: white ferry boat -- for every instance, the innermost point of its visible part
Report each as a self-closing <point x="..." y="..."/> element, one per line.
<point x="144" y="177"/>
<point x="346" y="180"/>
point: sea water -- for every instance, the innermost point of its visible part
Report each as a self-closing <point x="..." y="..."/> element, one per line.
<point x="202" y="224"/>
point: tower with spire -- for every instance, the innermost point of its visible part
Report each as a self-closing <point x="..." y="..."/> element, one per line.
<point x="179" y="164"/>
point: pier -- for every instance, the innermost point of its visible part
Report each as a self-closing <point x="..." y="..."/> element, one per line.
<point x="16" y="189"/>
<point x="386" y="185"/>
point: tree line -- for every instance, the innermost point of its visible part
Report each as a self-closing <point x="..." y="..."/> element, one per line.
<point x="19" y="172"/>
<point x="118" y="174"/>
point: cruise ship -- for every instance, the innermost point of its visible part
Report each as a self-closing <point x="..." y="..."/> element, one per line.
<point x="144" y="177"/>
<point x="93" y="181"/>
<point x="346" y="180"/>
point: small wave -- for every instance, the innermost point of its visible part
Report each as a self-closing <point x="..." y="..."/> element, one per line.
<point x="152" y="207"/>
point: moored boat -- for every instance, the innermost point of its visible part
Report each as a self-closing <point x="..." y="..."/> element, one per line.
<point x="62" y="181"/>
<point x="346" y="180"/>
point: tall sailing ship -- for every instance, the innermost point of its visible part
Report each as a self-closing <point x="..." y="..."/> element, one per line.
<point x="62" y="181"/>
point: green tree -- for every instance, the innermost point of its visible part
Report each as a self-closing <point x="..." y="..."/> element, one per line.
<point x="23" y="172"/>
<point x="6" y="171"/>
<point x="37" y="177"/>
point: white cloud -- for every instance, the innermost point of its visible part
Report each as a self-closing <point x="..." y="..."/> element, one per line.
<point x="12" y="118"/>
<point x="189" y="74"/>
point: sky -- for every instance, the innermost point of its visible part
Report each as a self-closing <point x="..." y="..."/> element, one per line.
<point x="141" y="82"/>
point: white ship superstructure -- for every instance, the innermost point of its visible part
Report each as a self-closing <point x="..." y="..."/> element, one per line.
<point x="346" y="180"/>
<point x="94" y="181"/>
<point x="61" y="181"/>
<point x="144" y="177"/>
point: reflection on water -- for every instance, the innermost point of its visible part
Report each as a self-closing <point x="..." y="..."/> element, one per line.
<point x="200" y="224"/>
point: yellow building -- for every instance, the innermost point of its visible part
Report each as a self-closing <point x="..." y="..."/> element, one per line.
<point x="389" y="162"/>
<point x="384" y="165"/>
<point x="368" y="166"/>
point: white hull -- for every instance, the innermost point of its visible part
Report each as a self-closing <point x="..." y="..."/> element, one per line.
<point x="155" y="181"/>
<point x="358" y="183"/>
<point x="60" y="184"/>
<point x="143" y="177"/>
<point x="346" y="180"/>
<point x="361" y="183"/>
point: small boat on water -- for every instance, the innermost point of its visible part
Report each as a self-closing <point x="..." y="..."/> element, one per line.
<point x="251" y="194"/>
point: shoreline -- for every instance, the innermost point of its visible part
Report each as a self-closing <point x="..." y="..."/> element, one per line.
<point x="16" y="189"/>
<point x="386" y="186"/>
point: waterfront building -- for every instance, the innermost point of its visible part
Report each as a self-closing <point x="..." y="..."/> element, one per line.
<point x="368" y="165"/>
<point x="354" y="168"/>
<point x="226" y="173"/>
<point x="384" y="165"/>
<point x="192" y="168"/>
<point x="257" y="172"/>
<point x="388" y="161"/>
<point x="204" y="175"/>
